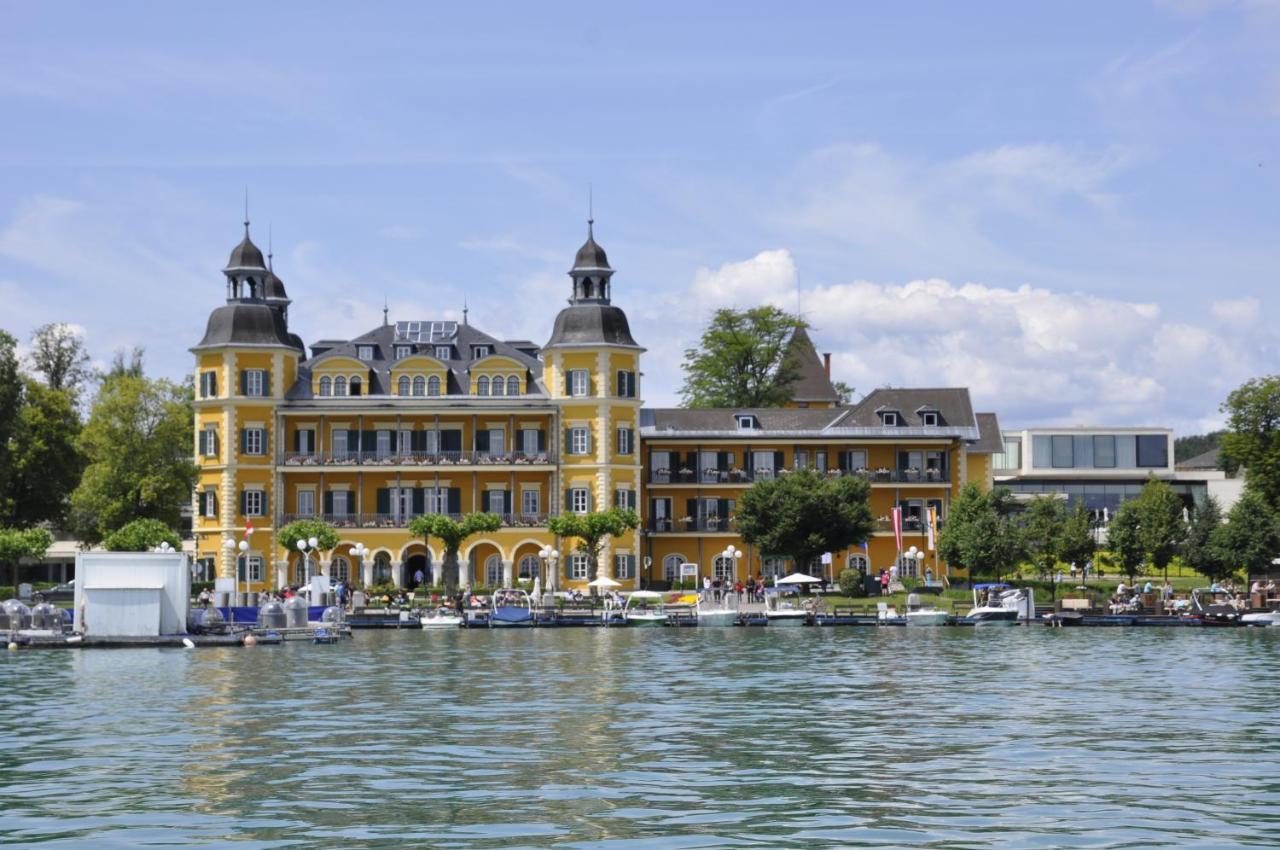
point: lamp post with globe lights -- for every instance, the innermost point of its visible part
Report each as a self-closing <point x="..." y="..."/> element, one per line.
<point x="306" y="547"/>
<point x="549" y="557"/>
<point x="731" y="554"/>
<point x="359" y="551"/>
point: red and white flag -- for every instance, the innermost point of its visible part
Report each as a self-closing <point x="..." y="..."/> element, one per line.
<point x="248" y="528"/>
<point x="933" y="528"/>
<point x="897" y="526"/>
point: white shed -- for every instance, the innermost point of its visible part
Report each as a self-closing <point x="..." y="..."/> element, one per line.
<point x="132" y="594"/>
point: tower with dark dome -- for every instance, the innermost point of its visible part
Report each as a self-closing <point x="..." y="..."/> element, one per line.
<point x="591" y="366"/>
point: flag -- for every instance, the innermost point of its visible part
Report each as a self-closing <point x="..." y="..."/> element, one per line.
<point x="897" y="526"/>
<point x="933" y="528"/>
<point x="248" y="528"/>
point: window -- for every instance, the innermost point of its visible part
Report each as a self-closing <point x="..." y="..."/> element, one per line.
<point x="579" y="382"/>
<point x="254" y="501"/>
<point x="404" y="442"/>
<point x="443" y="352"/>
<point x="340" y="443"/>
<point x="579" y="441"/>
<point x="209" y="504"/>
<point x="482" y="385"/>
<point x="626" y="441"/>
<point x="1153" y="450"/>
<point x="341" y="503"/>
<point x="209" y="441"/>
<point x="802" y="459"/>
<point x="855" y="459"/>
<point x="479" y="351"/>
<point x="499" y="386"/>
<point x="208" y="384"/>
<point x="626" y="384"/>
<point x="432" y="444"/>
<point x="340" y="569"/>
<point x="1104" y="451"/>
<point x="382" y="447"/>
<point x="762" y="462"/>
<point x="746" y="422"/>
<point x="775" y="567"/>
<point x="496" y="501"/>
<point x="513" y="385"/>
<point x="529" y="442"/>
<point x="304" y="440"/>
<point x="306" y="502"/>
<point x="419" y="386"/>
<point x="433" y="386"/>
<point x="671" y="567"/>
<point x="251" y="568"/>
<point x="493" y="571"/>
<point x="339" y="385"/>
<point x="381" y="568"/>
<point x="255" y="382"/>
<point x="401" y="502"/>
<point x="889" y="419"/>
<point x="355" y="386"/>
<point x="1010" y="457"/>
<point x="624" y="497"/>
<point x="403" y="351"/>
<point x="724" y="568"/>
<point x="624" y="566"/>
<point x="364" y="352"/>
<point x="929" y="419"/>
<point x="436" y="500"/>
<point x="326" y="386"/>
<point x="253" y="440"/>
<point x="580" y="500"/>
<point x="528" y="568"/>
<point x="579" y="566"/>
<point x="529" y="500"/>
<point x="820" y="460"/>
<point x="1063" y="453"/>
<point x="402" y="385"/>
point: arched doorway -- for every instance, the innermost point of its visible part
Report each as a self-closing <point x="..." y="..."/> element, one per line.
<point x="416" y="570"/>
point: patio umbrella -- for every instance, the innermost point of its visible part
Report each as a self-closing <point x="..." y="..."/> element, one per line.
<point x="604" y="581"/>
<point x="799" y="578"/>
<point x="537" y="589"/>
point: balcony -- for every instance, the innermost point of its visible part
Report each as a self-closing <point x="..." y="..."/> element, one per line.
<point x="749" y="476"/>
<point x="468" y="458"/>
<point x="377" y="521"/>
<point x="661" y="525"/>
<point x="910" y="524"/>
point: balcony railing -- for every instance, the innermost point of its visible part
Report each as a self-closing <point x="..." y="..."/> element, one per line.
<point x="702" y="523"/>
<point x="910" y="525"/>
<point x="376" y="520"/>
<point x="467" y="458"/>
<point x="748" y="476"/>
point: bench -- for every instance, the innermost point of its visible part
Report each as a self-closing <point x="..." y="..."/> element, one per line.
<point x="1076" y="604"/>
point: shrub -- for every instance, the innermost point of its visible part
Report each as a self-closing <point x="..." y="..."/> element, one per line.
<point x="851" y="583"/>
<point x="141" y="535"/>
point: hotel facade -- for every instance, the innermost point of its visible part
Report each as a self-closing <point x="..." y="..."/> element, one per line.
<point x="420" y="416"/>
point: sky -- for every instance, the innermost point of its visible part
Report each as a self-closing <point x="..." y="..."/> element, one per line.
<point x="1068" y="208"/>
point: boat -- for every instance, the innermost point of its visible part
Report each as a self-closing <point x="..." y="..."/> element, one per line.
<point x="441" y="618"/>
<point x="644" y="608"/>
<point x="325" y="636"/>
<point x="1261" y="618"/>
<point x="1000" y="604"/>
<point x="1213" y="613"/>
<point x="511" y="607"/>
<point x="1064" y="618"/>
<point x="710" y="614"/>
<point x="778" y="613"/>
<point x="927" y="616"/>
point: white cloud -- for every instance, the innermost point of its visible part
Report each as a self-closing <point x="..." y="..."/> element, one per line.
<point x="1237" y="311"/>
<point x="768" y="277"/>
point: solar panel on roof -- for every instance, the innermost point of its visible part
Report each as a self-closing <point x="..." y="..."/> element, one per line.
<point x="426" y="331"/>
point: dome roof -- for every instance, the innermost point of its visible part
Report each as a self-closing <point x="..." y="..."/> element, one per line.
<point x="591" y="324"/>
<point x="273" y="287"/>
<point x="245" y="324"/>
<point x="246" y="255"/>
<point x="590" y="255"/>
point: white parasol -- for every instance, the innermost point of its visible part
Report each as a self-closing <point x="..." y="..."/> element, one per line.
<point x="798" y="578"/>
<point x="604" y="581"/>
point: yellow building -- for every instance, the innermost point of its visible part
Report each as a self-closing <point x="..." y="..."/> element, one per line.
<point x="432" y="416"/>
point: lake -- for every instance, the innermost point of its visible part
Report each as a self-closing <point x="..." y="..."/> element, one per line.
<point x="653" y="738"/>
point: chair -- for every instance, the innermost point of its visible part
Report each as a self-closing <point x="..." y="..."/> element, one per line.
<point x="885" y="612"/>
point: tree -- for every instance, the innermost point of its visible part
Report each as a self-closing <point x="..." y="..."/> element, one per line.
<point x="1191" y="445"/>
<point x="138" y="446"/>
<point x="804" y="514"/>
<point x="452" y="533"/>
<point x="1042" y="530"/>
<point x="11" y="392"/>
<point x="1202" y="551"/>
<point x="141" y="535"/>
<point x="980" y="535"/>
<point x="592" y="529"/>
<point x="45" y="460"/>
<point x="740" y="360"/>
<point x="125" y="364"/>
<point x="305" y="529"/>
<point x="1076" y="543"/>
<point x="1250" y="538"/>
<point x="58" y="355"/>
<point x="1253" y="434"/>
<point x="19" y="543"/>
<point x="1162" y="529"/>
<point x="1124" y="538"/>
<point x="845" y="391"/>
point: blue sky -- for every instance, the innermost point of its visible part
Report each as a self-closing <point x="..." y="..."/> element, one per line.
<point x="1069" y="208"/>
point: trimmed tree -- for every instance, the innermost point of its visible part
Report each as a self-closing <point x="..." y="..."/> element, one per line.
<point x="591" y="530"/>
<point x="804" y="514"/>
<point x="452" y="533"/>
<point x="741" y="360"/>
<point x="19" y="543"/>
<point x="304" y="529"/>
<point x="141" y="535"/>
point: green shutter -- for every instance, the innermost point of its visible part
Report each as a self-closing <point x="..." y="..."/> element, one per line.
<point x="244" y="382"/>
<point x="328" y="503"/>
<point x="455" y="500"/>
<point x="243" y="500"/>
<point x="384" y="500"/>
<point x="244" y="440"/>
<point x="204" y="442"/>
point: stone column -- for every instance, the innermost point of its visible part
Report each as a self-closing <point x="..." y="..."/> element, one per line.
<point x="396" y="569"/>
<point x="437" y="571"/>
<point x="508" y="573"/>
<point x="366" y="571"/>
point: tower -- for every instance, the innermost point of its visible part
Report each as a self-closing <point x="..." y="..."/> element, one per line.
<point x="245" y="362"/>
<point x="591" y="369"/>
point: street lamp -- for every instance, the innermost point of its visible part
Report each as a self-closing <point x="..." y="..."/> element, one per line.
<point x="359" y="551"/>
<point x="550" y="557"/>
<point x="733" y="555"/>
<point x="306" y="547"/>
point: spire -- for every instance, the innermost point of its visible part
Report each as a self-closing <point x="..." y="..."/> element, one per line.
<point x="246" y="211"/>
<point x="385" y="309"/>
<point x="591" y="210"/>
<point x="270" y="251"/>
<point x="464" y="310"/>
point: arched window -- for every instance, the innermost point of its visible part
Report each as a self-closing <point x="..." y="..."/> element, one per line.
<point x="402" y="385"/>
<point x="671" y="567"/>
<point x="724" y="568"/>
<point x="339" y="569"/>
<point x="482" y="386"/>
<point x="493" y="571"/>
<point x="419" y="385"/>
<point x="326" y="386"/>
<point x="513" y="385"/>
<point x="300" y="570"/>
<point x="433" y="386"/>
<point x="776" y="567"/>
<point x="860" y="563"/>
<point x="381" y="568"/>
<point x="529" y="568"/>
<point x="499" y="386"/>
<point x="339" y="385"/>
<point x="355" y="386"/>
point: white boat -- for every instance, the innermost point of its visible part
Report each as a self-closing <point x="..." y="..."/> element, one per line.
<point x="929" y="616"/>
<point x="710" y="614"/>
<point x="778" y="613"/>
<point x="441" y="618"/>
<point x="1261" y="618"/>
<point x="644" y="608"/>
<point x="999" y="604"/>
<point x="511" y="607"/>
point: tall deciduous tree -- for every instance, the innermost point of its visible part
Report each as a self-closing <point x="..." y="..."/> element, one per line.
<point x="1042" y="527"/>
<point x="1124" y="538"/>
<point x="1162" y="528"/>
<point x="11" y="392"/>
<point x="740" y="360"/>
<point x="19" y="543"/>
<point x="1253" y="434"/>
<point x="805" y="514"/>
<point x="1203" y="552"/>
<point x="138" y="445"/>
<point x="980" y="535"/>
<point x="591" y="530"/>
<point x="1250" y="538"/>
<point x="452" y="533"/>
<point x="45" y="460"/>
<point x="58" y="355"/>
<point x="1076" y="542"/>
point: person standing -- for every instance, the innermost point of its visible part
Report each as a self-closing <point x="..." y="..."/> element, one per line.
<point x="418" y="577"/>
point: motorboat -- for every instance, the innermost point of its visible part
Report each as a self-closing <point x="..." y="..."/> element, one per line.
<point x="441" y="618"/>
<point x="1261" y="618"/>
<point x="924" y="615"/>
<point x="510" y="607"/>
<point x="710" y="614"/>
<point x="644" y="608"/>
<point x="1000" y="604"/>
<point x="778" y="612"/>
<point x="1213" y="613"/>
<point x="1061" y="619"/>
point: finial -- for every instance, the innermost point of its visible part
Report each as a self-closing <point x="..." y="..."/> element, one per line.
<point x="246" y="211"/>
<point x="591" y="210"/>
<point x="464" y="309"/>
<point x="384" y="311"/>
<point x="269" y="249"/>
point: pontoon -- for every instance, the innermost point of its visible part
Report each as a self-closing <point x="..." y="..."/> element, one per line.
<point x="510" y="607"/>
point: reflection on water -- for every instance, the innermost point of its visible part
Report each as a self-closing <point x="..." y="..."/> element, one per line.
<point x="652" y="738"/>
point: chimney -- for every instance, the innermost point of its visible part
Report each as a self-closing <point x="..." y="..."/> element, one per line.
<point x="826" y="363"/>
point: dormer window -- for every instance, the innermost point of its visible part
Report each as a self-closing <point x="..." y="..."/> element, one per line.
<point x="479" y="351"/>
<point x="443" y="352"/>
<point x="403" y="351"/>
<point x="747" y="422"/>
<point x="889" y="418"/>
<point x="364" y="352"/>
<point x="929" y="418"/>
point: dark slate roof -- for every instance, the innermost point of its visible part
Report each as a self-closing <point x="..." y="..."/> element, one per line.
<point x="724" y="419"/>
<point x="1211" y="459"/>
<point x="590" y="255"/>
<point x="951" y="403"/>
<point x="383" y="339"/>
<point x="246" y="255"/>
<point x="273" y="288"/>
<point x="295" y="341"/>
<point x="990" y="440"/>
<point x="591" y="324"/>
<point x="812" y="383"/>
<point x="246" y="323"/>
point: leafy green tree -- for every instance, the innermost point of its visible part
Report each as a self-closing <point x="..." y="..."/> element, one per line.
<point x="805" y="514"/>
<point x="46" y="463"/>
<point x="1042" y="529"/>
<point x="981" y="535"/>
<point x="1191" y="445"/>
<point x="138" y="445"/>
<point x="452" y="533"/>
<point x="1253" y="434"/>
<point x="11" y="394"/>
<point x="141" y="535"/>
<point x="1250" y="538"/>
<point x="19" y="543"/>
<point x="741" y="360"/>
<point x="1162" y="529"/>
<point x="852" y="582"/>
<point x="1076" y="542"/>
<point x="591" y="529"/>
<point x="1203" y="552"/>
<point x="304" y="529"/>
<point x="58" y="355"/>
<point x="1124" y="538"/>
